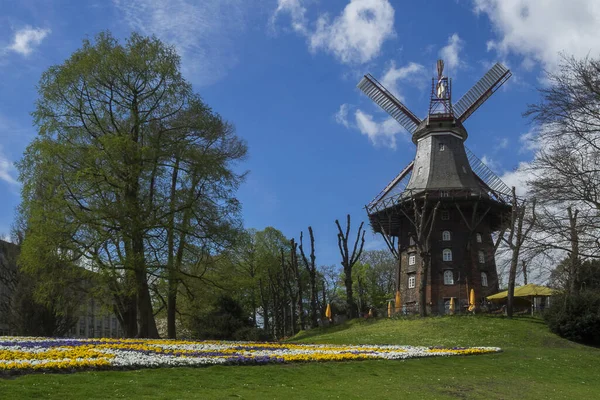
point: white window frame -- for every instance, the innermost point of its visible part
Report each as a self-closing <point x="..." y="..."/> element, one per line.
<point x="419" y="171"/>
<point x="412" y="259"/>
<point x="446" y="236"/>
<point x="444" y="193"/>
<point x="481" y="257"/>
<point x="478" y="237"/>
<point x="412" y="281"/>
<point x="442" y="146"/>
<point x="484" y="279"/>
<point x="445" y="215"/>
<point x="447" y="254"/>
<point x="448" y="277"/>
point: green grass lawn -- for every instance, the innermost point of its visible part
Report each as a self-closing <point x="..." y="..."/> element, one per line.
<point x="535" y="364"/>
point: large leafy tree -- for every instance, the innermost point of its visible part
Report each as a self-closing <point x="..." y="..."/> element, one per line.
<point x="130" y="175"/>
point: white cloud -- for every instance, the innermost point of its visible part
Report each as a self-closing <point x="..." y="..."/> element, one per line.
<point x="341" y="117"/>
<point x="297" y="13"/>
<point x="450" y="53"/>
<point x="393" y="75"/>
<point x="357" y="34"/>
<point x="518" y="178"/>
<point x="26" y="39"/>
<point x="203" y="32"/>
<point x="490" y="162"/>
<point x="7" y="170"/>
<point x="540" y="30"/>
<point x="379" y="133"/>
<point x="502" y="143"/>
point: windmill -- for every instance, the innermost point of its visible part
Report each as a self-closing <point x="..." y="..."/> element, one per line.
<point x="460" y="200"/>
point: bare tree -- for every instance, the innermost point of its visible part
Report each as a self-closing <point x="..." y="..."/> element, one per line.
<point x="422" y="220"/>
<point x="517" y="235"/>
<point x="348" y="261"/>
<point x="311" y="267"/>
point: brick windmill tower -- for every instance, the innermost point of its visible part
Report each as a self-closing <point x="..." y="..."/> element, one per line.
<point x="438" y="214"/>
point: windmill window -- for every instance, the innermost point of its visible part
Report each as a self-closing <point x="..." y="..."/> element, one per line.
<point x="484" y="281"/>
<point x="447" y="255"/>
<point x="448" y="277"/>
<point x="411" y="241"/>
<point x="478" y="237"/>
<point x="442" y="147"/>
<point x="412" y="259"/>
<point x="481" y="256"/>
<point x="419" y="170"/>
<point x="412" y="281"/>
<point x="446" y="236"/>
<point x="464" y="169"/>
<point x="445" y="215"/>
<point x="444" y="194"/>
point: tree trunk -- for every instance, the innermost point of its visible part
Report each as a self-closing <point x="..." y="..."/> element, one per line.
<point x="350" y="305"/>
<point x="171" y="274"/>
<point x="423" y="284"/>
<point x="512" y="274"/>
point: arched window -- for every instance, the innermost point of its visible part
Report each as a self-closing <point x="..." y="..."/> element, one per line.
<point x="448" y="277"/>
<point x="484" y="279"/>
<point x="447" y="255"/>
<point x="446" y="236"/>
<point x="481" y="256"/>
<point x="478" y="237"/>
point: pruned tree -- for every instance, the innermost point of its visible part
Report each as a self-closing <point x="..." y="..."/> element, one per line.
<point x="422" y="217"/>
<point x="311" y="268"/>
<point x="515" y="239"/>
<point x="297" y="279"/>
<point x="349" y="259"/>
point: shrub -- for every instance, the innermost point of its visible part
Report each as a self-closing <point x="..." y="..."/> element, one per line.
<point x="226" y="321"/>
<point x="576" y="317"/>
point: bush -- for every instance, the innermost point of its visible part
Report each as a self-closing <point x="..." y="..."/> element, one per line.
<point x="576" y="317"/>
<point x="226" y="321"/>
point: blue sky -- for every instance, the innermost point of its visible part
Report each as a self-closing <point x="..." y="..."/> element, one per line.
<point x="284" y="72"/>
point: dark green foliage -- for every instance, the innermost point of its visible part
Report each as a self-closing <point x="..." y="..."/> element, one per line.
<point x="576" y="316"/>
<point x="226" y="321"/>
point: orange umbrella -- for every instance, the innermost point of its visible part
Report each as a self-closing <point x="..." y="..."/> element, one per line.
<point x="389" y="309"/>
<point x="451" y="308"/>
<point x="328" y="311"/>
<point x="472" y="300"/>
<point x="398" y="304"/>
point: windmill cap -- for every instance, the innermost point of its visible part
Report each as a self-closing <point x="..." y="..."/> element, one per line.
<point x="431" y="125"/>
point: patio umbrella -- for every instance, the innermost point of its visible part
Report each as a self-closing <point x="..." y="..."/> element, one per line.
<point x="328" y="311"/>
<point x="389" y="309"/>
<point x="451" y="308"/>
<point x="398" y="305"/>
<point x="472" y="300"/>
<point x="525" y="291"/>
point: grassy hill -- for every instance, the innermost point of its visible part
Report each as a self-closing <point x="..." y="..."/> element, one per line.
<point x="535" y="364"/>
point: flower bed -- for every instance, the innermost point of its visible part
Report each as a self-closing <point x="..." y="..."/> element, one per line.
<point x="25" y="354"/>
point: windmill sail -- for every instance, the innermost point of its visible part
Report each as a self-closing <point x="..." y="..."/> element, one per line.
<point x="481" y="91"/>
<point x="396" y="186"/>
<point x="486" y="175"/>
<point x="380" y="95"/>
